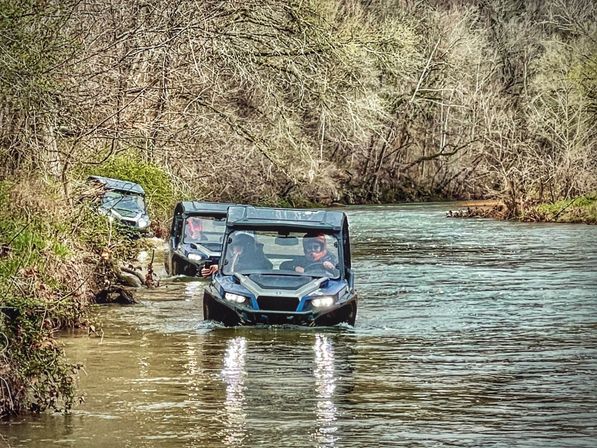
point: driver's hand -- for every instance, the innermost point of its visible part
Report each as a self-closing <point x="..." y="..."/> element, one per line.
<point x="299" y="269"/>
<point x="206" y="272"/>
<point x="329" y="265"/>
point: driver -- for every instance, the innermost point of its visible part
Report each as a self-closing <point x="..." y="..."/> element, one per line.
<point x="244" y="254"/>
<point x="316" y="253"/>
<point x="194" y="229"/>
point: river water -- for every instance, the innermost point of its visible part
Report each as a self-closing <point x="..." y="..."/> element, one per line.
<point x="469" y="333"/>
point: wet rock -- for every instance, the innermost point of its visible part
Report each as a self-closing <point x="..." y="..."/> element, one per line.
<point x="131" y="276"/>
<point x="115" y="294"/>
<point x="129" y="279"/>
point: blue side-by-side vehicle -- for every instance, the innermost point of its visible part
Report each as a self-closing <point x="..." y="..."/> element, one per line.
<point x="283" y="266"/>
<point x="196" y="237"/>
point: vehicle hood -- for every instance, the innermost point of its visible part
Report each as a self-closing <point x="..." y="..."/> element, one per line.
<point x="279" y="285"/>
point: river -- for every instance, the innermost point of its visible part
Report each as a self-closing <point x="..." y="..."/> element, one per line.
<point x="469" y="332"/>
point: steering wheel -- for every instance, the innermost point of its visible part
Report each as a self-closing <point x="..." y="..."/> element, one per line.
<point x="316" y="267"/>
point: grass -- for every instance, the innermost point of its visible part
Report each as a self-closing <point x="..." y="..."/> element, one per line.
<point x="35" y="375"/>
<point x="582" y="209"/>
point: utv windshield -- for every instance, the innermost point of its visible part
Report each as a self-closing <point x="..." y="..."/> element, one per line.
<point x="205" y="230"/>
<point x="292" y="253"/>
<point x="118" y="200"/>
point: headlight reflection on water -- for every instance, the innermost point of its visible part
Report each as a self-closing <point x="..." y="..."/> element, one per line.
<point x="325" y="385"/>
<point x="193" y="289"/>
<point x="233" y="374"/>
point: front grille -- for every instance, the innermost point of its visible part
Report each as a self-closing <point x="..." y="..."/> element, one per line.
<point x="129" y="223"/>
<point x="277" y="303"/>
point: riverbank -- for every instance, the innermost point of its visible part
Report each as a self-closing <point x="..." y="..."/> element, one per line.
<point x="59" y="257"/>
<point x="579" y="210"/>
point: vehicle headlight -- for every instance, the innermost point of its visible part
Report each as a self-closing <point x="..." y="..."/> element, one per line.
<point x="236" y="298"/>
<point x="322" y="301"/>
<point x="195" y="257"/>
<point x="143" y="222"/>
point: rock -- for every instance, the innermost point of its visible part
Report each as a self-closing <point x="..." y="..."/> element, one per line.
<point x="136" y="271"/>
<point x="115" y="294"/>
<point x="129" y="279"/>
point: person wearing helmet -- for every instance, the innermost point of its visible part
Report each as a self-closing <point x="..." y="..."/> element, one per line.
<point x="317" y="256"/>
<point x="243" y="255"/>
<point x="194" y="229"/>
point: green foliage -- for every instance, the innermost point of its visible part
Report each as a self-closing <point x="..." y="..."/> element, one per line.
<point x="579" y="209"/>
<point x="160" y="191"/>
<point x="102" y="236"/>
<point x="35" y="374"/>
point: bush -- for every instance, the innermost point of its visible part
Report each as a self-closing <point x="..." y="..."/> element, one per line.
<point x="580" y="209"/>
<point x="37" y="297"/>
<point x="159" y="189"/>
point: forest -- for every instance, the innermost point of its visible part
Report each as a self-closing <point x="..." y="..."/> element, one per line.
<point x="271" y="102"/>
<point x="296" y="101"/>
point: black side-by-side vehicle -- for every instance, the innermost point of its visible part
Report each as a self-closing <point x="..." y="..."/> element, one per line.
<point x="298" y="270"/>
<point x="196" y="237"/>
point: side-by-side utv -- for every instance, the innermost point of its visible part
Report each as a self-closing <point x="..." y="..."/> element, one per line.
<point x="123" y="202"/>
<point x="196" y="237"/>
<point x="283" y="266"/>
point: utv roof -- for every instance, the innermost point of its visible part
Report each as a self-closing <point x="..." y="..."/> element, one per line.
<point x="119" y="185"/>
<point x="215" y="209"/>
<point x="275" y="218"/>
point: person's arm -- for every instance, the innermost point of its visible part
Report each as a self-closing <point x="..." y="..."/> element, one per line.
<point x="209" y="271"/>
<point x="329" y="263"/>
<point x="299" y="265"/>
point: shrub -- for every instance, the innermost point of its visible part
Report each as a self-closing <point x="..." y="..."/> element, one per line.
<point x="159" y="189"/>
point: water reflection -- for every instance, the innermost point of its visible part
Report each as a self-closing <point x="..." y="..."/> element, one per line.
<point x="194" y="289"/>
<point x="233" y="374"/>
<point x="325" y="386"/>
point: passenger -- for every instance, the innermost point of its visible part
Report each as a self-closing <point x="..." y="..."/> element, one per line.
<point x="316" y="256"/>
<point x="194" y="229"/>
<point x="244" y="255"/>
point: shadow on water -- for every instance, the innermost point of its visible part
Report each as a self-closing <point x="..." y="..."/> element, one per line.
<point x="469" y="333"/>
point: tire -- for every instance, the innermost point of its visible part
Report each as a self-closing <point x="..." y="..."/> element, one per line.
<point x="176" y="267"/>
<point x="206" y="310"/>
<point x="352" y="316"/>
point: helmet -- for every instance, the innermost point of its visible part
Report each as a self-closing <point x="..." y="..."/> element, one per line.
<point x="314" y="245"/>
<point x="244" y="240"/>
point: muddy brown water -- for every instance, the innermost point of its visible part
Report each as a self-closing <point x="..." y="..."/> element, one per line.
<point x="469" y="333"/>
